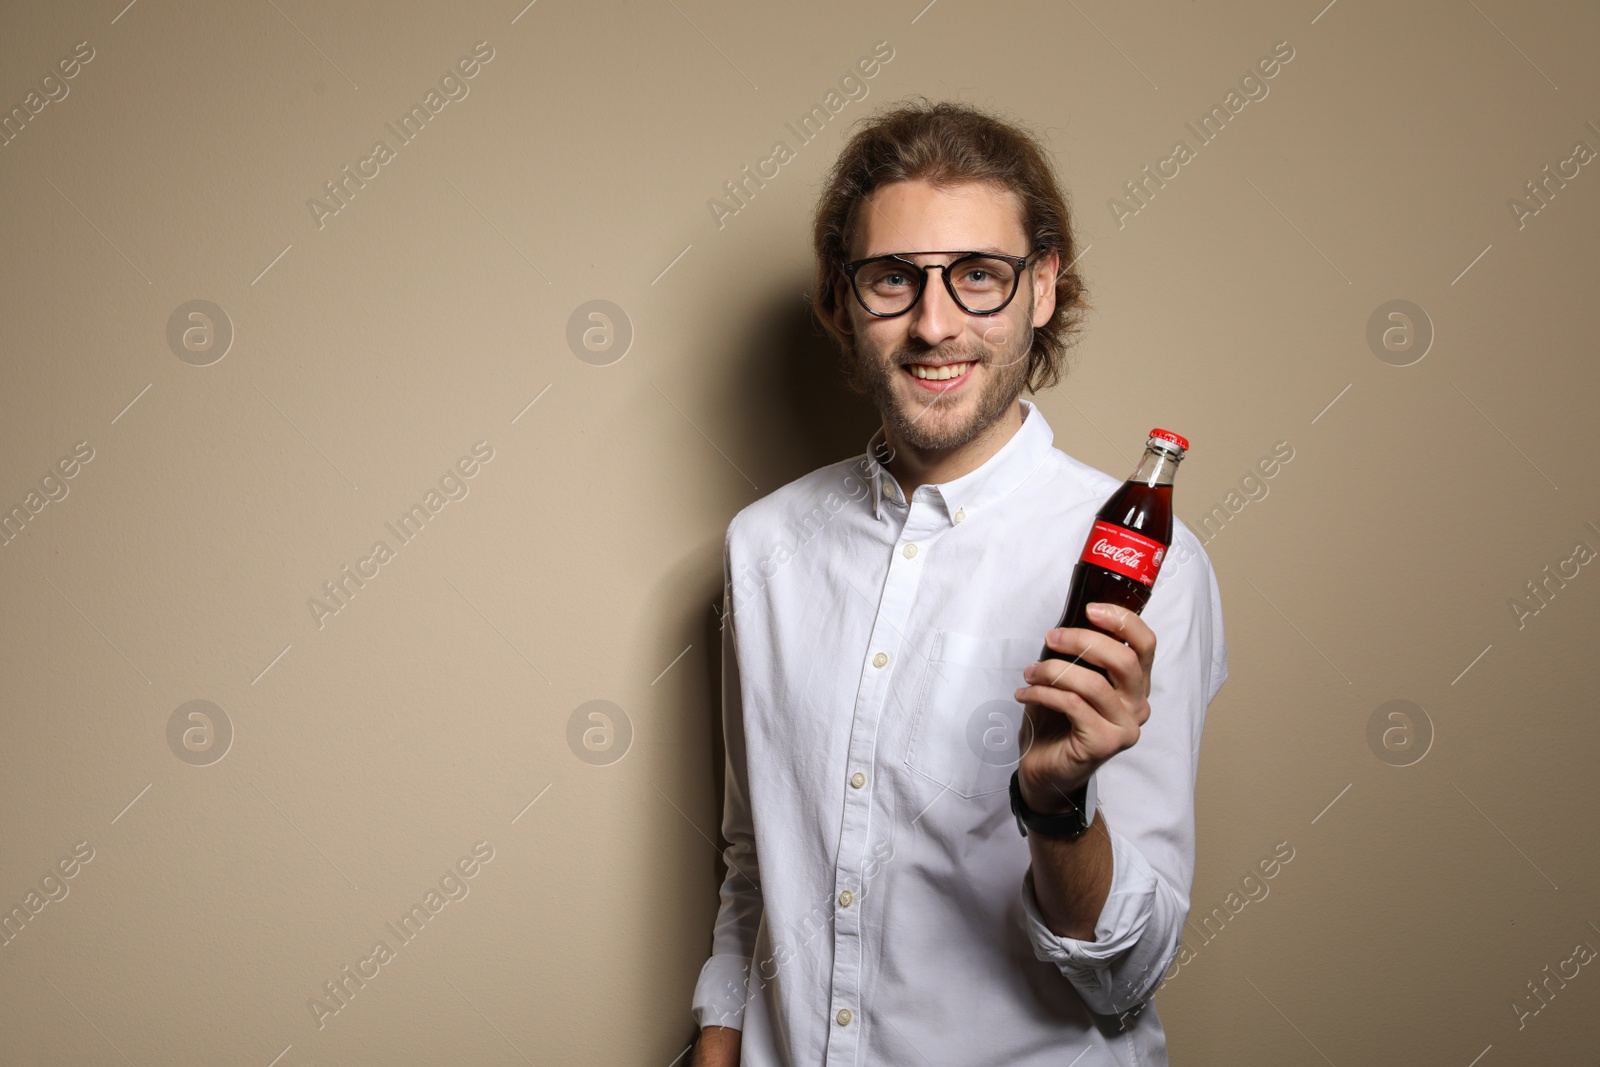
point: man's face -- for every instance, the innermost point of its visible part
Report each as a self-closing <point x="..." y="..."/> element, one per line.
<point x="990" y="351"/>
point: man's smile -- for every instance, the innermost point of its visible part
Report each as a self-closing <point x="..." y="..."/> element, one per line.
<point x="939" y="377"/>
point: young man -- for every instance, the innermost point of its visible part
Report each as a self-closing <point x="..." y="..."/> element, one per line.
<point x="882" y="621"/>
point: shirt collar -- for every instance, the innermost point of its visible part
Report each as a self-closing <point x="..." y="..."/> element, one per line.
<point x="969" y="494"/>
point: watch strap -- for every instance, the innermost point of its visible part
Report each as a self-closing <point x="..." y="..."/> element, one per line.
<point x="1072" y="823"/>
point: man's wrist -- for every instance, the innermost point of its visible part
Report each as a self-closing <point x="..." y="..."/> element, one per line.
<point x="1051" y="799"/>
<point x="1071" y="821"/>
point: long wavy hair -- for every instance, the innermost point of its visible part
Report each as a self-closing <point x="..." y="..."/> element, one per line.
<point x="947" y="144"/>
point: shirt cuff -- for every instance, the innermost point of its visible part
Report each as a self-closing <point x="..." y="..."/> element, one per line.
<point x="720" y="993"/>
<point x="1122" y="920"/>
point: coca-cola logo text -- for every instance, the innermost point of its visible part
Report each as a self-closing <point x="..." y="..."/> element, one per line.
<point x="1128" y="557"/>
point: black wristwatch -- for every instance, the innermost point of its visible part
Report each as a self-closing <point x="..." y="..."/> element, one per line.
<point x="1074" y="822"/>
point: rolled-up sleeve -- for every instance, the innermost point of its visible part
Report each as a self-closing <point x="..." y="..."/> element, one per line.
<point x="720" y="992"/>
<point x="1147" y="795"/>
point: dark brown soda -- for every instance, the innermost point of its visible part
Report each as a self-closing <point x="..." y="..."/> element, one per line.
<point x="1143" y="504"/>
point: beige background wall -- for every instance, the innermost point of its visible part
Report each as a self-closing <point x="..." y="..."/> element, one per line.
<point x="363" y="754"/>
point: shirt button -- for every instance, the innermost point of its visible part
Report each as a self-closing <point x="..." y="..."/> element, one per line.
<point x="961" y="513"/>
<point x="846" y="898"/>
<point x="880" y="659"/>
<point x="909" y="551"/>
<point x="858" y="780"/>
<point x="844" y="1016"/>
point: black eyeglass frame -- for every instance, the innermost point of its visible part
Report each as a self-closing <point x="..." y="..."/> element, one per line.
<point x="1020" y="263"/>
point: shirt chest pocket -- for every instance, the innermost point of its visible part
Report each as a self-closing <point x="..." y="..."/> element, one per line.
<point x="964" y="734"/>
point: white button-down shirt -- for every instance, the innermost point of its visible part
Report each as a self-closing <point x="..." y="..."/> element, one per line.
<point x="875" y="909"/>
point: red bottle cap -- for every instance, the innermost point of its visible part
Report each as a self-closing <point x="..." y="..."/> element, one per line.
<point x="1168" y="435"/>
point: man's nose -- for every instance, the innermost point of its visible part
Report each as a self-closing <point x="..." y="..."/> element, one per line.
<point x="936" y="318"/>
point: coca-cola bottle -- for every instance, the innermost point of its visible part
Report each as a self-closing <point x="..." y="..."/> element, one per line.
<point x="1127" y="542"/>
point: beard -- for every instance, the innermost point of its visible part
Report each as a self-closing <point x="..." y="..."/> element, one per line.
<point x="940" y="422"/>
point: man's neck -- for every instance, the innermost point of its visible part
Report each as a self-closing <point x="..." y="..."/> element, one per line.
<point x="913" y="467"/>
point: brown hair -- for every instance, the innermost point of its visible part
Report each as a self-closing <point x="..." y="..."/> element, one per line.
<point x="946" y="144"/>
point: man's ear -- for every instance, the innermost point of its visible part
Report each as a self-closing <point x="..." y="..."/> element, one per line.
<point x="1046" y="269"/>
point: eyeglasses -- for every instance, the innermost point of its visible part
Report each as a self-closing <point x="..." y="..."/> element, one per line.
<point x="981" y="283"/>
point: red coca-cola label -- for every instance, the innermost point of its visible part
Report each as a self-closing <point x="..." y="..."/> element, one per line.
<point x="1117" y="548"/>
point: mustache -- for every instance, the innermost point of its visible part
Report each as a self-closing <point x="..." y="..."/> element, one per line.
<point x="942" y="357"/>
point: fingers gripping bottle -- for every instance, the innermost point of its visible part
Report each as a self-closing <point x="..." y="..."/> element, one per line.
<point x="1127" y="543"/>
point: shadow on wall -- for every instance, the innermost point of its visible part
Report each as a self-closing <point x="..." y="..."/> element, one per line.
<point x="787" y="394"/>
